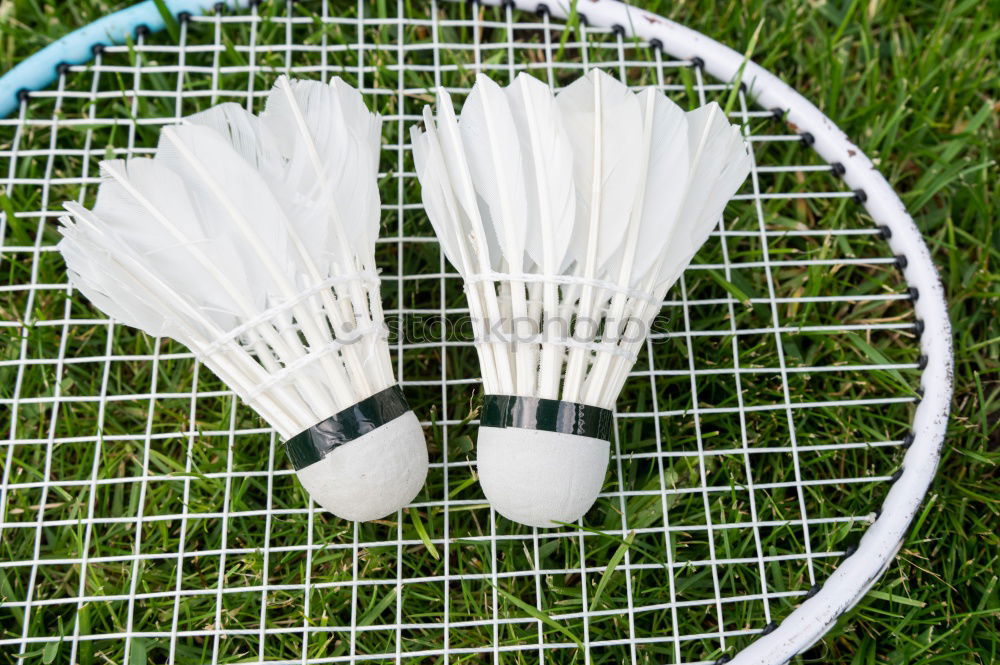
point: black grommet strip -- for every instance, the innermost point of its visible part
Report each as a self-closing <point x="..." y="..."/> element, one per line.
<point x="697" y="62"/>
<point x="902" y="261"/>
<point x="896" y="476"/>
<point x="807" y="138"/>
<point x="838" y="169"/>
<point x="583" y="18"/>
<point x="922" y="362"/>
<point x="23" y="94"/>
<point x="778" y="113"/>
<point x="920" y="393"/>
<point x="62" y="68"/>
<point x="618" y="29"/>
<point x="656" y="45"/>
<point x="142" y="30"/>
<point x="369" y="414"/>
<point x="184" y="17"/>
<point x="508" y="4"/>
<point x="914" y="293"/>
<point x="549" y="415"/>
<point x="723" y="660"/>
<point x="918" y="325"/>
<point x="851" y="549"/>
<point x="813" y="590"/>
<point x="220" y="7"/>
<point x="908" y="439"/>
<point x="885" y="232"/>
<point x="770" y="628"/>
<point x="543" y="10"/>
<point x="97" y="48"/>
<point x="878" y="513"/>
<point x="743" y="87"/>
<point x="860" y="196"/>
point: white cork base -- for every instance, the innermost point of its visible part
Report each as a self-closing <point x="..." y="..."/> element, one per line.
<point x="539" y="478"/>
<point x="373" y="476"/>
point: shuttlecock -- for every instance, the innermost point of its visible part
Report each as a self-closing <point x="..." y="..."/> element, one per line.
<point x="568" y="217"/>
<point x="251" y="240"/>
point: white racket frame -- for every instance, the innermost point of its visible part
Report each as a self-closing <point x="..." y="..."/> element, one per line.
<point x="877" y="548"/>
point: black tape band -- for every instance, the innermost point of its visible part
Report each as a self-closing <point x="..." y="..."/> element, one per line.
<point x="369" y="414"/>
<point x="550" y="415"/>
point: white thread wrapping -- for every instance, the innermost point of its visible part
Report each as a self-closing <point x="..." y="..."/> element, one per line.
<point x="562" y="280"/>
<point x="367" y="278"/>
<point x="609" y="348"/>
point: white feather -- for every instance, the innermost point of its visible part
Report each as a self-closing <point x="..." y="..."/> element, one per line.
<point x="719" y="164"/>
<point x="146" y="207"/>
<point x="331" y="143"/>
<point x="548" y="166"/>
<point x="438" y="195"/>
<point x="494" y="157"/>
<point x="666" y="180"/>
<point x="604" y="124"/>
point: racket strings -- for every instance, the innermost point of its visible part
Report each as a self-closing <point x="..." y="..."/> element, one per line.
<point x="725" y="423"/>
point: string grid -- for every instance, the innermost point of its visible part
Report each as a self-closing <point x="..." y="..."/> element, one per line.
<point x="147" y="513"/>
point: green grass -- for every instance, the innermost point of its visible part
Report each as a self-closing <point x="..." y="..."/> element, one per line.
<point x="913" y="84"/>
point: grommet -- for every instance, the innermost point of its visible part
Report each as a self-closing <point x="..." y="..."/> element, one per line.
<point x="697" y="63"/>
<point x="770" y="628"/>
<point x="918" y="325"/>
<point x="97" y="48"/>
<point x="656" y="45"/>
<point x="220" y="7"/>
<point x="508" y="4"/>
<point x="914" y="293"/>
<point x="885" y="232"/>
<point x="850" y="550"/>
<point x="723" y="660"/>
<point x="902" y="261"/>
<point x="860" y="196"/>
<point x="813" y="590"/>
<point x="23" y="94"/>
<point x="908" y="440"/>
<point x="778" y="113"/>
<point x="895" y="476"/>
<point x="583" y="19"/>
<point x="543" y="10"/>
<point x="142" y="30"/>
<point x="807" y="138"/>
<point x="922" y="362"/>
<point x="184" y="17"/>
<point x="920" y="393"/>
<point x="62" y="68"/>
<point x="743" y="87"/>
<point x="838" y="169"/>
<point x="878" y="513"/>
<point x="618" y="29"/>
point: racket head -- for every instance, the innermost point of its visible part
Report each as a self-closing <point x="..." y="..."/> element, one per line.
<point x="725" y="516"/>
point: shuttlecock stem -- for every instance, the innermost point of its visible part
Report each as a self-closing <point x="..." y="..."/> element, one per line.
<point x="585" y="328"/>
<point x="458" y="169"/>
<point x="596" y="388"/>
<point x="547" y="372"/>
<point x="339" y="311"/>
<point x="524" y="376"/>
